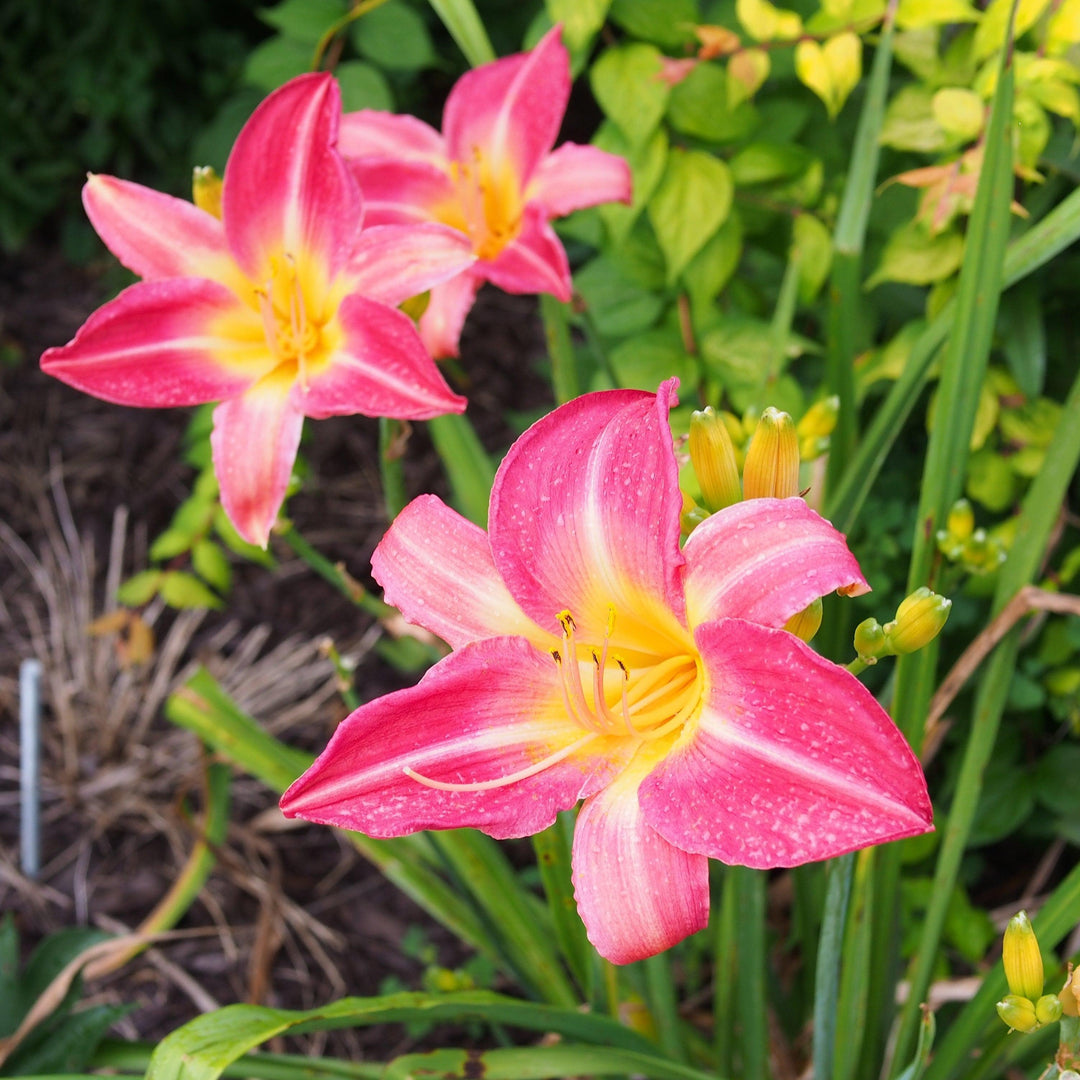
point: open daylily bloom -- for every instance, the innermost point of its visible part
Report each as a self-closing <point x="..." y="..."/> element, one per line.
<point x="492" y="174"/>
<point x="595" y="659"/>
<point x="280" y="308"/>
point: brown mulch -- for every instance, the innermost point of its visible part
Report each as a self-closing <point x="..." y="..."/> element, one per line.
<point x="291" y="917"/>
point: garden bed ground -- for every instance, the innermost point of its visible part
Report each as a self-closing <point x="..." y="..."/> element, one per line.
<point x="292" y="916"/>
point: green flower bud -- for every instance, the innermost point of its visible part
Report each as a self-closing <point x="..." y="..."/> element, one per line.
<point x="870" y="643"/>
<point x="1018" y="1013"/>
<point x="713" y="458"/>
<point x="816" y="426"/>
<point x="1022" y="959"/>
<point x="692" y="518"/>
<point x="1048" y="1009"/>
<point x="961" y="520"/>
<point x="206" y="190"/>
<point x="919" y="620"/>
<point x="772" y="461"/>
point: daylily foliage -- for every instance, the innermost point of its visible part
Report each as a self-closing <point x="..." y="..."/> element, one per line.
<point x="281" y="308"/>
<point x="492" y="174"/>
<point x="595" y="659"/>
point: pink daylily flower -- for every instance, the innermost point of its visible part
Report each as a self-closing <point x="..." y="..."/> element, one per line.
<point x="492" y="174"/>
<point x="283" y="308"/>
<point x="594" y="659"/>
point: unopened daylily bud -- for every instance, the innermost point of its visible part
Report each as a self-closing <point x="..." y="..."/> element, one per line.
<point x="870" y="643"/>
<point x="772" y="461"/>
<point x="816" y="426"/>
<point x="807" y="622"/>
<point x="206" y="190"/>
<point x="1018" y="1013"/>
<point x="919" y="620"/>
<point x="713" y="457"/>
<point x="1048" y="1009"/>
<point x="1022" y="959"/>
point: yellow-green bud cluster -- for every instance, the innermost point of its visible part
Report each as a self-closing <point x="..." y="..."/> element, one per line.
<point x="961" y="542"/>
<point x="816" y="426"/>
<point x="919" y="620"/>
<point x="1025" y="1007"/>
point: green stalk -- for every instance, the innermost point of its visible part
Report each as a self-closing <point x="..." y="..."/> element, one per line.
<point x="565" y="377"/>
<point x="845" y="289"/>
<point x="466" y="28"/>
<point x="854" y="979"/>
<point x="753" y="962"/>
<point x="1027" y="253"/>
<point x="725" y="970"/>
<point x="783" y="316"/>
<point x="350" y="589"/>
<point x="830" y="949"/>
<point x="466" y="462"/>
<point x="393" y="475"/>
<point x="662" y="1005"/>
<point x="1038" y="515"/>
<point x="963" y="370"/>
<point x="552" y="847"/>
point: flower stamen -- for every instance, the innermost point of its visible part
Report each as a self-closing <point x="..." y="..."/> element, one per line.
<point x="503" y="781"/>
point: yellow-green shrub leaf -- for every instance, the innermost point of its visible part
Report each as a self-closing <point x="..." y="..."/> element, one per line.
<point x="211" y="564"/>
<point x="692" y="201"/>
<point x="626" y="85"/>
<point x="767" y="162"/>
<point x="747" y="70"/>
<point x="180" y="590"/>
<point x="990" y="480"/>
<point x="960" y="112"/>
<point x="766" y="22"/>
<point x="701" y="106"/>
<point x="833" y="70"/>
<point x="915" y="14"/>
<point x="711" y="268"/>
<point x="580" y="19"/>
<point x="646" y="167"/>
<point x="990" y="35"/>
<point x="910" y="124"/>
<point x="812" y="246"/>
<point x="140" y="588"/>
<point x="914" y="256"/>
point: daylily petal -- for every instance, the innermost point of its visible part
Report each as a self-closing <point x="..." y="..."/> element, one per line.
<point x="164" y="343"/>
<point x="763" y="560"/>
<point x="448" y="307"/>
<point x="574" y="177"/>
<point x="637" y="894"/>
<point x="403" y="192"/>
<point x="381" y="369"/>
<point x="485" y="713"/>
<point x="156" y="235"/>
<point x="287" y="190"/>
<point x="510" y="110"/>
<point x="535" y="261"/>
<point x="254" y="444"/>
<point x="791" y="760"/>
<point x="372" y="133"/>
<point x="585" y="516"/>
<point x="390" y="263"/>
<point x="435" y="566"/>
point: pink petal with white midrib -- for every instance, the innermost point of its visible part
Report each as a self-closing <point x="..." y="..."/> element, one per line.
<point x="401" y="192"/>
<point x="636" y="893"/>
<point x="435" y="567"/>
<point x="585" y="514"/>
<point x="486" y="712"/>
<point x="286" y="189"/>
<point x="254" y="444"/>
<point x="157" y="344"/>
<point x="156" y="235"/>
<point x="381" y="369"/>
<point x="791" y="760"/>
<point x="373" y="133"/>
<point x="511" y="109"/>
<point x="764" y="560"/>
<point x="573" y="177"/>
<point x="444" y="317"/>
<point x="392" y="263"/>
<point x="534" y="261"/>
